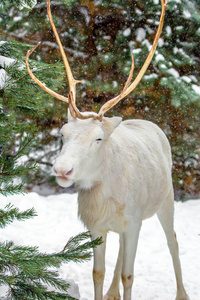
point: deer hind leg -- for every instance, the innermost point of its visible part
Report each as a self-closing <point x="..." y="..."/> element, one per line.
<point x="113" y="292"/>
<point x="130" y="241"/>
<point x="166" y="218"/>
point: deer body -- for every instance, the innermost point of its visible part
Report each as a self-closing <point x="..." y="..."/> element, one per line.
<point x="134" y="172"/>
<point x="122" y="171"/>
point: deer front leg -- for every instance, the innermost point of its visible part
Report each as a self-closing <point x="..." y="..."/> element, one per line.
<point x="113" y="292"/>
<point x="130" y="241"/>
<point x="99" y="265"/>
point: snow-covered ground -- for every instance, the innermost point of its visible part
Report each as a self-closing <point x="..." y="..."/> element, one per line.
<point x="57" y="221"/>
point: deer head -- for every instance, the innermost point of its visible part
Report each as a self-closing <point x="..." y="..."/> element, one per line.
<point x="81" y="157"/>
<point x="86" y="132"/>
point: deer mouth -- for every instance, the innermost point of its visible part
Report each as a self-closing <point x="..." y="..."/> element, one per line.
<point x="64" y="181"/>
<point x="62" y="178"/>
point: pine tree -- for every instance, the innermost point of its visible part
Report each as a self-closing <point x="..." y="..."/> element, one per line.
<point x="27" y="273"/>
<point x="26" y="113"/>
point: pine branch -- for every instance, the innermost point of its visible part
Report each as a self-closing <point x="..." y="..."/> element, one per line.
<point x="17" y="171"/>
<point x="27" y="75"/>
<point x="29" y="291"/>
<point x="78" y="252"/>
<point x="10" y="189"/>
<point x="12" y="159"/>
<point x="11" y="213"/>
<point x="26" y="272"/>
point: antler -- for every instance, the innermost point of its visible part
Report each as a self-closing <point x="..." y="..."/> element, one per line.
<point x="46" y="89"/>
<point x="71" y="99"/>
<point x="128" y="89"/>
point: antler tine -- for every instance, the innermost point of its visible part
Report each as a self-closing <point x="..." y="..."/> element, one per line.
<point x="130" y="74"/>
<point x="46" y="89"/>
<point x="71" y="108"/>
<point x="72" y="81"/>
<point x="128" y="89"/>
<point x="115" y="100"/>
<point x="74" y="110"/>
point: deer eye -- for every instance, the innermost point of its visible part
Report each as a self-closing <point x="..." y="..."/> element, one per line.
<point x="98" y="140"/>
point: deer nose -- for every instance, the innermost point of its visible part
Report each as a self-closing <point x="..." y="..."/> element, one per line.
<point x="62" y="172"/>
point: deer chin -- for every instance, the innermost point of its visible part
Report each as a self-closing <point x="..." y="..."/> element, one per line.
<point x="64" y="182"/>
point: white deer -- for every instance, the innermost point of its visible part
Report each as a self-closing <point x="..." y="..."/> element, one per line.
<point x="122" y="171"/>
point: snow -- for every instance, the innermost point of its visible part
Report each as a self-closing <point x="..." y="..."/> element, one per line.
<point x="186" y="79"/>
<point x="3" y="78"/>
<point x="160" y="42"/>
<point x="23" y="4"/>
<point x="17" y="18"/>
<point x="181" y="52"/>
<point x="198" y="31"/>
<point x="168" y="30"/>
<point x="147" y="44"/>
<point x="150" y="77"/>
<point x="136" y="51"/>
<point x="196" y="88"/>
<point x="138" y="11"/>
<point x="55" y="132"/>
<point x="2" y="42"/>
<point x="179" y="28"/>
<point x="186" y="14"/>
<point x="127" y="32"/>
<point x="194" y="79"/>
<point x="159" y="57"/>
<point x="57" y="221"/>
<point x="173" y="72"/>
<point x="4" y="62"/>
<point x="86" y="14"/>
<point x="115" y="84"/>
<point x="140" y="34"/>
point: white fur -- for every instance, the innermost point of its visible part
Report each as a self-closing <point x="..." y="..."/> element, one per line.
<point x="121" y="179"/>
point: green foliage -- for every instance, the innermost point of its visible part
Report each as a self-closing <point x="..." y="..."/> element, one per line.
<point x="68" y="3"/>
<point x="11" y="213"/>
<point x="19" y="4"/>
<point x="10" y="169"/>
<point x="25" y="271"/>
<point x="26" y="114"/>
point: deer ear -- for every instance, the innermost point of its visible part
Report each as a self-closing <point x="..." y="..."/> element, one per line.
<point x="109" y="124"/>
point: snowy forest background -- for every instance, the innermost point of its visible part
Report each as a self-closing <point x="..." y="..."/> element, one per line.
<point x="99" y="38"/>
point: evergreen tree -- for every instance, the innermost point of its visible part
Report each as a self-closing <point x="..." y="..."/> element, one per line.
<point x="99" y="37"/>
<point x="27" y="273"/>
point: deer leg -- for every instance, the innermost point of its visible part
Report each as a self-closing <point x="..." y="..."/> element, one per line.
<point x="113" y="292"/>
<point x="99" y="265"/>
<point x="166" y="218"/>
<point x="130" y="241"/>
